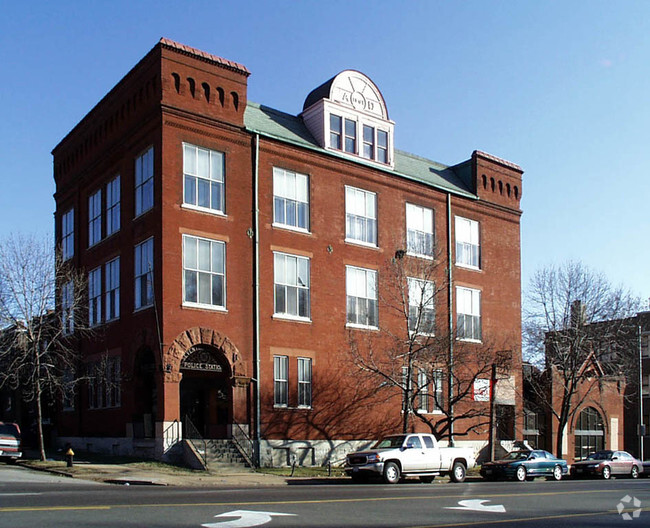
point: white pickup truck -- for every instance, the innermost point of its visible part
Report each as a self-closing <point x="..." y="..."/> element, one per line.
<point x="413" y="454"/>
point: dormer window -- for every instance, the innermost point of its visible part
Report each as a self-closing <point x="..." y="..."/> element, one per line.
<point x="348" y="114"/>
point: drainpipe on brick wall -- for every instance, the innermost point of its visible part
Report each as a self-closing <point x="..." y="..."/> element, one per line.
<point x="256" y="300"/>
<point x="642" y="425"/>
<point x="450" y="306"/>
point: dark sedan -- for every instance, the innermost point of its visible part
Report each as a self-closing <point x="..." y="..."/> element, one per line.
<point x="523" y="465"/>
<point x="607" y="463"/>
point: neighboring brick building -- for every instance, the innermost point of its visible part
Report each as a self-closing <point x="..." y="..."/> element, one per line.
<point x="232" y="249"/>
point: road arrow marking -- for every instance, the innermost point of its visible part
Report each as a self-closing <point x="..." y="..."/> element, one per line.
<point x="477" y="505"/>
<point x="246" y="518"/>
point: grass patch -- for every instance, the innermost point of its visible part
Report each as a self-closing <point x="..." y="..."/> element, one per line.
<point x="304" y="471"/>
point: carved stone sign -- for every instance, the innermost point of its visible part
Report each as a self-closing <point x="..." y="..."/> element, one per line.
<point x="201" y="358"/>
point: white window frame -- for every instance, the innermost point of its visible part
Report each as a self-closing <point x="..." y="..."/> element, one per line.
<point x="95" y="218"/>
<point x="143" y="283"/>
<point x="67" y="308"/>
<point x="468" y="243"/>
<point x="67" y="234"/>
<point x="468" y="308"/>
<point x="280" y="381"/>
<point x="338" y="137"/>
<point x="113" y="206"/>
<point x="211" y="174"/>
<point x="112" y="289"/>
<point x="420" y="225"/>
<point x="361" y="218"/>
<point x="95" y="296"/>
<point x="144" y="184"/>
<point x="192" y="267"/>
<point x="304" y="382"/>
<point x="361" y="286"/>
<point x="287" y="279"/>
<point x="290" y="197"/>
<point x="421" y="297"/>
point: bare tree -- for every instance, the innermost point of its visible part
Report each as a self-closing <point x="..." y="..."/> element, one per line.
<point x="414" y="352"/>
<point x="37" y="347"/>
<point x="577" y="332"/>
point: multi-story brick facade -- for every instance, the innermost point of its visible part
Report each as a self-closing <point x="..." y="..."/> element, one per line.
<point x="240" y="232"/>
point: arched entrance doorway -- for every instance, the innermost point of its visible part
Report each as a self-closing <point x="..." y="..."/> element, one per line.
<point x="589" y="433"/>
<point x="206" y="392"/>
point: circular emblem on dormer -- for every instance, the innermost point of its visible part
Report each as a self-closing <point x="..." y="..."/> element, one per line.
<point x="358" y="101"/>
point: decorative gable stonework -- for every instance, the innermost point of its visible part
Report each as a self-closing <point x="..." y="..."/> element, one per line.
<point x="348" y="114"/>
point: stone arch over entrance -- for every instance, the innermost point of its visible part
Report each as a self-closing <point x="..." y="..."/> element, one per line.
<point x="203" y="336"/>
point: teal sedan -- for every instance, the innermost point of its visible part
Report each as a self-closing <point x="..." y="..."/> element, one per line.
<point x="526" y="465"/>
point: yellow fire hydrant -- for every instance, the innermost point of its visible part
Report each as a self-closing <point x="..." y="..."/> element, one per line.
<point x="68" y="457"/>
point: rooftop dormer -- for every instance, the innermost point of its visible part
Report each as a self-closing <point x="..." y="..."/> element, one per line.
<point x="348" y="114"/>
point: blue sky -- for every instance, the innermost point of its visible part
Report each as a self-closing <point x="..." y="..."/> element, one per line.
<point x="561" y="88"/>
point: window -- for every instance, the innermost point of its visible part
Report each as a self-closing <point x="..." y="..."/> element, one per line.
<point x="67" y="234"/>
<point x="67" y="307"/>
<point x="95" y="218"/>
<point x="368" y="142"/>
<point x="112" y="289"/>
<point x="467" y="243"/>
<point x="281" y="381"/>
<point x="645" y="345"/>
<point x="304" y="382"/>
<point x="144" y="182"/>
<point x="350" y="136"/>
<point x="361" y="287"/>
<point x="589" y="433"/>
<point x="419" y="230"/>
<point x="204" y="271"/>
<point x="336" y="133"/>
<point x="144" y="274"/>
<point x="291" y="277"/>
<point x="95" y="296"/>
<point x="422" y="313"/>
<point x="113" y="206"/>
<point x="104" y="383"/>
<point x="203" y="172"/>
<point x="290" y="199"/>
<point x="430" y="388"/>
<point x="468" y="310"/>
<point x="382" y="146"/>
<point x="360" y="216"/>
<point x="68" y="386"/>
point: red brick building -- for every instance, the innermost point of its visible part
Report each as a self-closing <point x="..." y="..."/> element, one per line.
<point x="232" y="249"/>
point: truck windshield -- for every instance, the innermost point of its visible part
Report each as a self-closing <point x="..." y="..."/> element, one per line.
<point x="390" y="441"/>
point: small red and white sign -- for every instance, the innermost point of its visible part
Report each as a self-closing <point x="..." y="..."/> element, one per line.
<point x="482" y="390"/>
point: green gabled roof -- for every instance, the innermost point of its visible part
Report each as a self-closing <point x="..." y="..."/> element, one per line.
<point x="288" y="128"/>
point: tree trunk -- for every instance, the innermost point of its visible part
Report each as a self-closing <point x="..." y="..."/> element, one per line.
<point x="39" y="419"/>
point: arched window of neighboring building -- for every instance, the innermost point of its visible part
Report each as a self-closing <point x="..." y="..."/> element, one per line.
<point x="508" y="189"/>
<point x="235" y="100"/>
<point x="222" y="96"/>
<point x="484" y="181"/>
<point x="492" y="184"/>
<point x="516" y="192"/>
<point x="192" y="84"/>
<point x="589" y="433"/>
<point x="206" y="91"/>
<point x="500" y="187"/>
<point x="177" y="82"/>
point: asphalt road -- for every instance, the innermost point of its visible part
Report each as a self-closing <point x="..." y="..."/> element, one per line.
<point x="30" y="499"/>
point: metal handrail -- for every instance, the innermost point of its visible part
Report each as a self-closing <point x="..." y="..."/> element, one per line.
<point x="243" y="443"/>
<point x="195" y="438"/>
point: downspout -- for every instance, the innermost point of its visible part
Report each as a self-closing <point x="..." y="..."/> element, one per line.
<point x="450" y="307"/>
<point x="256" y="301"/>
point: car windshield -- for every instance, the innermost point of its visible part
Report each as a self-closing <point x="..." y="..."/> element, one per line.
<point x="390" y="441"/>
<point x="600" y="455"/>
<point x="517" y="455"/>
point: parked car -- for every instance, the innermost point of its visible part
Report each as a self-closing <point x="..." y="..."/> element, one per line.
<point x="10" y="446"/>
<point x="417" y="455"/>
<point x="524" y="464"/>
<point x="607" y="463"/>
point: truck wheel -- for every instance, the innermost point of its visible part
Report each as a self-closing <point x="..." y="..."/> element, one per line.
<point x="427" y="480"/>
<point x="520" y="475"/>
<point x="391" y="473"/>
<point x="458" y="472"/>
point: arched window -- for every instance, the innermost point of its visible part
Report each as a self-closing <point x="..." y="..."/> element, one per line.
<point x="192" y="84"/>
<point x="206" y="91"/>
<point x="177" y="82"/>
<point x="589" y="433"/>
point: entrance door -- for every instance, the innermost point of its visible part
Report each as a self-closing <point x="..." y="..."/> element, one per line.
<point x="206" y="393"/>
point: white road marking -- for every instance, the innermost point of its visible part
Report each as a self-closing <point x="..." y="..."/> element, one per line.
<point x="477" y="505"/>
<point x="246" y="518"/>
